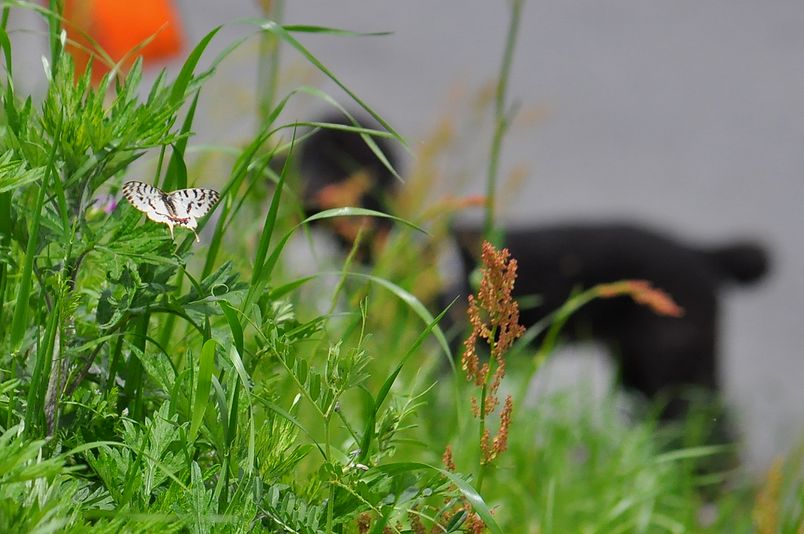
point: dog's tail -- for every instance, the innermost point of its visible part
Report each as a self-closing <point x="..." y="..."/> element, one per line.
<point x="742" y="262"/>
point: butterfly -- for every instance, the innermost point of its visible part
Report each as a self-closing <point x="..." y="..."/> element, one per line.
<point x="179" y="208"/>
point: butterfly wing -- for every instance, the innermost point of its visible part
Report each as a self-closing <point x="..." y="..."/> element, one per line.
<point x="190" y="204"/>
<point x="149" y="200"/>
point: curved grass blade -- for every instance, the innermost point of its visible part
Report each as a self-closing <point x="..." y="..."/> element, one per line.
<point x="186" y="74"/>
<point x="280" y="31"/>
<point x="240" y="169"/>
<point x="368" y="431"/>
<point x="268" y="226"/>
<point x="176" y="173"/>
<point x="234" y="356"/>
<point x="203" y="387"/>
<point x="306" y="28"/>
<point x="352" y="212"/>
<point x="21" y="309"/>
<point x="415" y="305"/>
<point x="328" y="214"/>
<point x="234" y="325"/>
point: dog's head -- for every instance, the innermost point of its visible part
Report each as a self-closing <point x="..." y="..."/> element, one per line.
<point x="339" y="169"/>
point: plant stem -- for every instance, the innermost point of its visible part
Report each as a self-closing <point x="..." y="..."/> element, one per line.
<point x="501" y="121"/>
<point x="481" y="465"/>
<point x="268" y="66"/>
<point x="559" y="319"/>
<point x="331" y="498"/>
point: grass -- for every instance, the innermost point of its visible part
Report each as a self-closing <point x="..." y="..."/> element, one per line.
<point x="154" y="384"/>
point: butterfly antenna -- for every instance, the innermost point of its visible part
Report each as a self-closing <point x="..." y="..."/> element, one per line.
<point x="197" y="240"/>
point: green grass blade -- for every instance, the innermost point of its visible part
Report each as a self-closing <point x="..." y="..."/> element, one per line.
<point x="328" y="214"/>
<point x="357" y="212"/>
<point x="240" y="169"/>
<point x="186" y="74"/>
<point x="12" y="117"/>
<point x="306" y="28"/>
<point x="245" y="380"/>
<point x="417" y="307"/>
<point x="135" y="372"/>
<point x="281" y="291"/>
<point x="234" y="325"/>
<point x="5" y="241"/>
<point x="206" y="366"/>
<point x="368" y="430"/>
<point x="176" y="173"/>
<point x="278" y="30"/>
<point x="34" y="414"/>
<point x="18" y="323"/>
<point x="268" y="227"/>
<point x="367" y="134"/>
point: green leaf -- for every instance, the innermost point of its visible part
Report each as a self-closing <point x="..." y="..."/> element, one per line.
<point x="368" y="430"/>
<point x="279" y="292"/>
<point x="186" y="74"/>
<point x="328" y="214"/>
<point x="306" y="28"/>
<point x="279" y="31"/>
<point x="415" y="305"/>
<point x="15" y="173"/>
<point x="18" y="325"/>
<point x="268" y="226"/>
<point x="234" y="325"/>
<point x="206" y="366"/>
<point x="176" y="174"/>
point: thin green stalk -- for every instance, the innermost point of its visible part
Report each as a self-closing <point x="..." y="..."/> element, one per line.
<point x="268" y="62"/>
<point x="54" y="31"/>
<point x="481" y="467"/>
<point x="34" y="414"/>
<point x="160" y="160"/>
<point x="559" y="319"/>
<point x="116" y="354"/>
<point x="23" y="294"/>
<point x="170" y="320"/>
<point x="501" y="120"/>
<point x="331" y="499"/>
<point x="231" y="434"/>
<point x="481" y="471"/>
<point x="5" y="232"/>
<point x="135" y="373"/>
<point x="5" y="198"/>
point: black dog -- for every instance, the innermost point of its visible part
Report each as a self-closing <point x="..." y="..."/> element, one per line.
<point x="657" y="354"/>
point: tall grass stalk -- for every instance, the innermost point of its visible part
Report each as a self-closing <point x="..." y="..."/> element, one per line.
<point x="502" y="120"/>
<point x="268" y="60"/>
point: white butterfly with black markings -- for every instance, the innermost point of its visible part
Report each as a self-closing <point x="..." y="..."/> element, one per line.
<point x="182" y="207"/>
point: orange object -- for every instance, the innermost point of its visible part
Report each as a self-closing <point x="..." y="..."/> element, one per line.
<point x="120" y="27"/>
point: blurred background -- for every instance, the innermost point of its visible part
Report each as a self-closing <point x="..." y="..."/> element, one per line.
<point x="686" y="116"/>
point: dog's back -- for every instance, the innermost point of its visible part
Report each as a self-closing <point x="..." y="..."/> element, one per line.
<point x="655" y="352"/>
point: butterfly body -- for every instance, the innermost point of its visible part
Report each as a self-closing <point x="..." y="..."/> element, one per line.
<point x="182" y="207"/>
